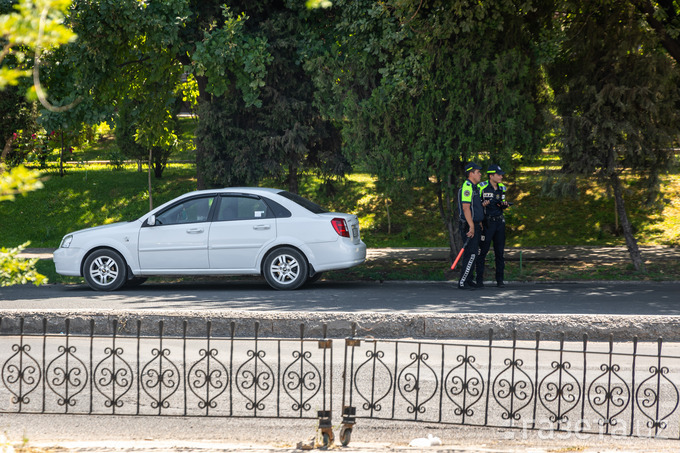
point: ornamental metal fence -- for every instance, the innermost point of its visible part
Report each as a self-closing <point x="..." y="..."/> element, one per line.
<point x="586" y="387"/>
<point x="582" y="387"/>
<point x="159" y="375"/>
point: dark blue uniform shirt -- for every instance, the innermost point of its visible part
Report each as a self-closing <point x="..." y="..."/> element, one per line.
<point x="495" y="196"/>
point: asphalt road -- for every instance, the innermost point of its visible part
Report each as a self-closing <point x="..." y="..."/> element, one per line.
<point x="604" y="298"/>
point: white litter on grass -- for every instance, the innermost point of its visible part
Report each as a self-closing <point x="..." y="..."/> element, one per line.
<point x="429" y="441"/>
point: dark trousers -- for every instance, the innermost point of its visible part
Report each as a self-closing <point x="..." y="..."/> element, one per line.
<point x="470" y="254"/>
<point x="495" y="231"/>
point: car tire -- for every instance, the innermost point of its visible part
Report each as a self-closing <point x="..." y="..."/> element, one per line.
<point x="285" y="268"/>
<point x="105" y="270"/>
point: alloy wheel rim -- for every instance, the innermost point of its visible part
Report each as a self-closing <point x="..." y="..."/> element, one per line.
<point x="285" y="269"/>
<point x="104" y="270"/>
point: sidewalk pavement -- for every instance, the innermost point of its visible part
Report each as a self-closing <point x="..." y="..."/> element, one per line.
<point x="551" y="253"/>
<point x="354" y="447"/>
<point x="586" y="253"/>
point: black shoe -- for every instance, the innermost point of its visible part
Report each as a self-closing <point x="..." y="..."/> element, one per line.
<point x="479" y="284"/>
<point x="467" y="286"/>
<point x="500" y="285"/>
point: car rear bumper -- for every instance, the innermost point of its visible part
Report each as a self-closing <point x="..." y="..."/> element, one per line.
<point x="338" y="255"/>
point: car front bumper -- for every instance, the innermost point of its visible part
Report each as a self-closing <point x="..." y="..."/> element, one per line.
<point x="67" y="261"/>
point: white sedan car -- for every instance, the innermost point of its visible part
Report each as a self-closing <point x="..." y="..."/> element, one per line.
<point x="234" y="231"/>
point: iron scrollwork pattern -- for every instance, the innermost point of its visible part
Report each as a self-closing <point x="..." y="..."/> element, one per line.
<point x="113" y="377"/>
<point x="66" y="376"/>
<point x="609" y="394"/>
<point x="464" y="385"/>
<point x="648" y="397"/>
<point x="559" y="392"/>
<point x="373" y="370"/>
<point x="411" y="383"/>
<point x="513" y="389"/>
<point x="160" y="378"/>
<point x="208" y="378"/>
<point x="301" y="380"/>
<point x="255" y="380"/>
<point x="21" y="374"/>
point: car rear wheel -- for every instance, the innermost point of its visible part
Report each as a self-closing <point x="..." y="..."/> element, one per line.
<point x="285" y="268"/>
<point x="105" y="270"/>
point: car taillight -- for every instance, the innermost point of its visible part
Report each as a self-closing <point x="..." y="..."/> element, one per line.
<point x="340" y="227"/>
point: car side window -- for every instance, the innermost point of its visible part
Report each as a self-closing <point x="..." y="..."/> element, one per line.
<point x="242" y="208"/>
<point x="278" y="211"/>
<point x="189" y="211"/>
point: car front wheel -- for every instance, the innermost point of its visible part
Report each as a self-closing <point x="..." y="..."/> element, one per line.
<point x="105" y="270"/>
<point x="285" y="268"/>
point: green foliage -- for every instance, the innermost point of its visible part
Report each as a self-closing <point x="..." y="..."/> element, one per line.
<point x="141" y="52"/>
<point x="35" y="23"/>
<point x="284" y="135"/>
<point x="126" y="131"/>
<point x="420" y="93"/>
<point x="15" y="113"/>
<point x="31" y="146"/>
<point x="318" y="4"/>
<point x="663" y="19"/>
<point x="616" y="93"/>
<point x="13" y="270"/>
<point x="229" y="49"/>
<point x="18" y="180"/>
<point x="17" y="271"/>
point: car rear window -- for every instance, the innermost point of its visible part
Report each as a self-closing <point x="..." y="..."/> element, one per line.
<point x="305" y="203"/>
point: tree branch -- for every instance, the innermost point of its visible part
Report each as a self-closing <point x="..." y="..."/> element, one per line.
<point x="671" y="45"/>
<point x="36" y="71"/>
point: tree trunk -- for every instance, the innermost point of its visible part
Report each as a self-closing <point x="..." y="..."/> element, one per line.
<point x="293" y="183"/>
<point x="61" y="155"/>
<point x="447" y="213"/>
<point x="203" y="96"/>
<point x="5" y="150"/>
<point x="631" y="242"/>
<point x="149" y="178"/>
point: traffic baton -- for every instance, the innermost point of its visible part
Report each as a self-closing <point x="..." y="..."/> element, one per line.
<point x="462" y="249"/>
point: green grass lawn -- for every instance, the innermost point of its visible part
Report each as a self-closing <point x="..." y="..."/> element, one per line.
<point x="86" y="196"/>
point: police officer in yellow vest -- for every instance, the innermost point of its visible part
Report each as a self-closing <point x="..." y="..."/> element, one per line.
<point x="493" y="200"/>
<point x="471" y="215"/>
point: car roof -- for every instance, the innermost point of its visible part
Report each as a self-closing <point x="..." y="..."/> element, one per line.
<point x="254" y="190"/>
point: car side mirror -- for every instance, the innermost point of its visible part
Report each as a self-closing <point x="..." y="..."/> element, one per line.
<point x="151" y="221"/>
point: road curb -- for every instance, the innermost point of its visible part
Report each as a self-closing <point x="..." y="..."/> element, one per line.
<point x="340" y="325"/>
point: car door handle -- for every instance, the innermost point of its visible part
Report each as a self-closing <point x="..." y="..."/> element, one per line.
<point x="262" y="227"/>
<point x="195" y="230"/>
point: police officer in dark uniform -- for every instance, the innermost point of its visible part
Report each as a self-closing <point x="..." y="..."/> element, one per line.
<point x="471" y="217"/>
<point x="493" y="200"/>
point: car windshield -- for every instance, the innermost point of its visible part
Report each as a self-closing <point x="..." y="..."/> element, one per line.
<point x="305" y="203"/>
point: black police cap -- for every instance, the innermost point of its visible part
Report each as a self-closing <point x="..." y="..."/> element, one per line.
<point x="471" y="166"/>
<point x="493" y="168"/>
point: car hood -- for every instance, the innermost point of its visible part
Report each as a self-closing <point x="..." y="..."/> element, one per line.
<point x="101" y="227"/>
